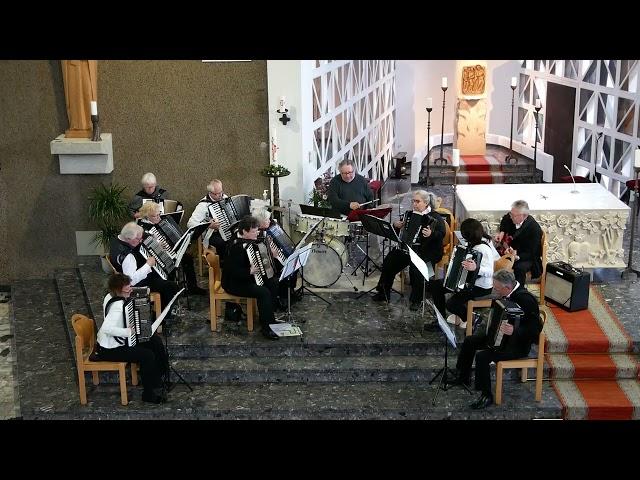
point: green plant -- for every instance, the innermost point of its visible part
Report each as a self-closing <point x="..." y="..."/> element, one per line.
<point x="319" y="199"/>
<point x="108" y="210"/>
<point x="275" y="170"/>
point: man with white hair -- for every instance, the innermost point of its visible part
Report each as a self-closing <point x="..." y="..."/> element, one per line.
<point x="201" y="214"/>
<point x="126" y="258"/>
<point x="150" y="191"/>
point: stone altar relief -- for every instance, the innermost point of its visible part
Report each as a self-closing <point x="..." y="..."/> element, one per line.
<point x="470" y="126"/>
<point x="473" y="80"/>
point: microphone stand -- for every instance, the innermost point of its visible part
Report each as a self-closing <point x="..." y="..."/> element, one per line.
<point x="629" y="272"/>
<point x="575" y="188"/>
<point x="535" y="136"/>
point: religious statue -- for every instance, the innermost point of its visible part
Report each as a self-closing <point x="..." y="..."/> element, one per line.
<point x="80" y="79"/>
<point x="473" y="80"/>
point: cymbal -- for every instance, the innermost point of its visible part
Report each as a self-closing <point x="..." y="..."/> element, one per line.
<point x="397" y="198"/>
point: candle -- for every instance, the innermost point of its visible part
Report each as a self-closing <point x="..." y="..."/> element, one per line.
<point x="429" y="103"/>
<point x="538" y="105"/>
<point x="455" y="159"/>
<point x="94" y="108"/>
<point x="514" y="81"/>
<point x="444" y="82"/>
<point x="637" y="160"/>
<point x="274" y="147"/>
<point x="283" y="105"/>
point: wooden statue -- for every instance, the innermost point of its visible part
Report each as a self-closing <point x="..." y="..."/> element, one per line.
<point x="80" y="79"/>
<point x="473" y="80"/>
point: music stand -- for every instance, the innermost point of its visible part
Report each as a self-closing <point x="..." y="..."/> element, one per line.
<point x="445" y="372"/>
<point x="382" y="228"/>
<point x="180" y="248"/>
<point x="293" y="263"/>
<point x="166" y="334"/>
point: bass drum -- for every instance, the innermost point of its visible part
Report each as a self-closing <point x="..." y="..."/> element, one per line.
<point x="325" y="263"/>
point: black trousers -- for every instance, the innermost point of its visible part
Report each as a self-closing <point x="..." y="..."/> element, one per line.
<point x="189" y="270"/>
<point x="393" y="263"/>
<point x="520" y="269"/>
<point x="484" y="356"/>
<point x="166" y="288"/>
<point x="151" y="355"/>
<point x="457" y="303"/>
<point x="265" y="295"/>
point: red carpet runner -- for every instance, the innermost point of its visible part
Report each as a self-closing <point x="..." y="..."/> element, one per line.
<point x="478" y="169"/>
<point x="592" y="367"/>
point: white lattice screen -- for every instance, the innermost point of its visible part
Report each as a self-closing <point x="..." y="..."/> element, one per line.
<point x="353" y="114"/>
<point x="606" y="113"/>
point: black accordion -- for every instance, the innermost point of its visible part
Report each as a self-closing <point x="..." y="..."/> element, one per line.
<point x="457" y="278"/>
<point x="167" y="232"/>
<point x="165" y="260"/>
<point x="139" y="315"/>
<point x="502" y="310"/>
<point x="413" y="225"/>
<point x="228" y="211"/>
<point x="277" y="238"/>
<point x="260" y="258"/>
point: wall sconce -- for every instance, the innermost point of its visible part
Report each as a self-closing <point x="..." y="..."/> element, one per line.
<point x="283" y="110"/>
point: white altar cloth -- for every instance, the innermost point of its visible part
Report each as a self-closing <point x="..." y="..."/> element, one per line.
<point x="584" y="229"/>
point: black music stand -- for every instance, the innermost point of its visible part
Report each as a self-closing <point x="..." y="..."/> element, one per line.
<point x="382" y="228"/>
<point x="166" y="333"/>
<point x="180" y="248"/>
<point x="293" y="263"/>
<point x="299" y="246"/>
<point x="445" y="373"/>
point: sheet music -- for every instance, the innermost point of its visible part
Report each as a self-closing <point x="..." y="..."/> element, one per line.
<point x="178" y="245"/>
<point x="296" y="260"/>
<point x="286" y="330"/>
<point x="423" y="268"/>
<point x="164" y="313"/>
<point x="442" y="323"/>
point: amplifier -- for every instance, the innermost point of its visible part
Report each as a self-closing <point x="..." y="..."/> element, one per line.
<point x="567" y="287"/>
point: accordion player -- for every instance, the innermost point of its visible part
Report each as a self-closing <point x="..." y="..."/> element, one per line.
<point x="458" y="278"/>
<point x="413" y="225"/>
<point x="502" y="310"/>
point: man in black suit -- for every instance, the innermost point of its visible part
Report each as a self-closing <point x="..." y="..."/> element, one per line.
<point x="522" y="336"/>
<point x="525" y="245"/>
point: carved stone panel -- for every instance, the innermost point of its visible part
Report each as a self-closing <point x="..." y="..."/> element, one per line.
<point x="470" y="127"/>
<point x="473" y="80"/>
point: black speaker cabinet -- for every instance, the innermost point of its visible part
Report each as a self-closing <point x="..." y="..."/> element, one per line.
<point x="567" y="287"/>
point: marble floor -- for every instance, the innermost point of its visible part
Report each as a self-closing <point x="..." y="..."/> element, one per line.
<point x="9" y="404"/>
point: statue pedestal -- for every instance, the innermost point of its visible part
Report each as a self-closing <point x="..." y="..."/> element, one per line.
<point x="81" y="155"/>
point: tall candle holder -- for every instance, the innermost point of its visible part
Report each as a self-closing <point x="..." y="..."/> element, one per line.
<point x="429" y="142"/>
<point x="538" y="107"/>
<point x="511" y="156"/>
<point x="96" y="128"/>
<point x="441" y="158"/>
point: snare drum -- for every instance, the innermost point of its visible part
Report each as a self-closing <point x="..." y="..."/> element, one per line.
<point x="336" y="227"/>
<point x="306" y="222"/>
<point x="325" y="263"/>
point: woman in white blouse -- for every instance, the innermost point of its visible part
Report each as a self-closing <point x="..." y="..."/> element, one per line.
<point x="113" y="346"/>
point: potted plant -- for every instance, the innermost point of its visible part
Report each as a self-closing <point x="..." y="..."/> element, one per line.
<point x="108" y="210"/>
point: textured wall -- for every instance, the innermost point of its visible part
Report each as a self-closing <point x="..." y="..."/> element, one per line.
<point x="186" y="121"/>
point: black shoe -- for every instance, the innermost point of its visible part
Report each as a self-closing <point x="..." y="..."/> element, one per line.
<point x="380" y="297"/>
<point x="415" y="306"/>
<point x="431" y="327"/>
<point x="197" y="291"/>
<point x="483" y="402"/>
<point x="270" y="334"/>
<point x="152" y="397"/>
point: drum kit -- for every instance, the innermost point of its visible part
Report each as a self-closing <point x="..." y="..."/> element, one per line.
<point x="329" y="253"/>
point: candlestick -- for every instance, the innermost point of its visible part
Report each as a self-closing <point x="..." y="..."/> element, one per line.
<point x="441" y="159"/>
<point x="429" y="108"/>
<point x="511" y="156"/>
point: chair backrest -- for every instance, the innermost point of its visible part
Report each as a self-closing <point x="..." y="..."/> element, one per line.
<point x="545" y="248"/>
<point x="447" y="215"/>
<point x="85" y="331"/>
<point x="170" y="206"/>
<point x="504" y="263"/>
<point x="213" y="260"/>
<point x="108" y="259"/>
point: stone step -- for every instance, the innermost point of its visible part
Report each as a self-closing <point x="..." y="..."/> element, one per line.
<point x="72" y="298"/>
<point x="279" y="401"/>
<point x="447" y="177"/>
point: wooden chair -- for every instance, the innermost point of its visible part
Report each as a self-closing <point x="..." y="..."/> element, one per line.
<point x="217" y="295"/>
<point x="503" y="263"/>
<point x="524" y="364"/>
<point x="85" y="344"/>
<point x="113" y="269"/>
<point x="543" y="278"/>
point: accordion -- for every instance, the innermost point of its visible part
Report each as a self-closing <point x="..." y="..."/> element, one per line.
<point x="413" y="225"/>
<point x="260" y="258"/>
<point x="458" y="278"/>
<point x="277" y="238"/>
<point x="228" y="211"/>
<point x="165" y="260"/>
<point x="502" y="310"/>
<point x="167" y="232"/>
<point x="139" y="315"/>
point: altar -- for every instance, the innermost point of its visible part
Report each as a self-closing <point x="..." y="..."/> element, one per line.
<point x="584" y="228"/>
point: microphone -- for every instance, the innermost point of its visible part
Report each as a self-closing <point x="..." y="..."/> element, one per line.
<point x="575" y="190"/>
